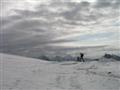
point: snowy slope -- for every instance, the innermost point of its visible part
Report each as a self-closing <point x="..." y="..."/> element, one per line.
<point x="20" y="73"/>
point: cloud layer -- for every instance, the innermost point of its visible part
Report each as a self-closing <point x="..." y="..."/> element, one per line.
<point x="30" y="24"/>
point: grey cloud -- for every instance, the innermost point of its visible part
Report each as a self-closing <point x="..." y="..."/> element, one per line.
<point x="25" y="31"/>
<point x="116" y="4"/>
<point x="103" y="3"/>
<point x="107" y="3"/>
<point x="85" y="4"/>
<point x="77" y="12"/>
<point x="85" y="13"/>
<point x="71" y="14"/>
<point x="9" y="19"/>
<point x="82" y="13"/>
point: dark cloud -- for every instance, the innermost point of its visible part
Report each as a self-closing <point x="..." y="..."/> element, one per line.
<point x="116" y="4"/>
<point x="107" y="3"/>
<point x="103" y="3"/>
<point x="75" y="14"/>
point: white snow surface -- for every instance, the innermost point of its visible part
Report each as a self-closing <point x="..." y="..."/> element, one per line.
<point x="21" y="73"/>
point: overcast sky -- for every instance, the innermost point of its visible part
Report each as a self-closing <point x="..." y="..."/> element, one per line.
<point x="67" y="23"/>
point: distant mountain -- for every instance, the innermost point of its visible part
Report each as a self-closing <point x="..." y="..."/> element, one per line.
<point x="112" y="56"/>
<point x="74" y="58"/>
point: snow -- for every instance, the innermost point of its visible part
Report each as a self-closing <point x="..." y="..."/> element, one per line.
<point x="21" y="73"/>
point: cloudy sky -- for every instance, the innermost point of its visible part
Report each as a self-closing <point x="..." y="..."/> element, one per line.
<point x="33" y="25"/>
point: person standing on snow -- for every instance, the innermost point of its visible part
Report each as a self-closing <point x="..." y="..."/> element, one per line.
<point x="81" y="57"/>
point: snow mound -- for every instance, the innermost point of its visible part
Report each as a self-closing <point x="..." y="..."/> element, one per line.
<point x="20" y="73"/>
